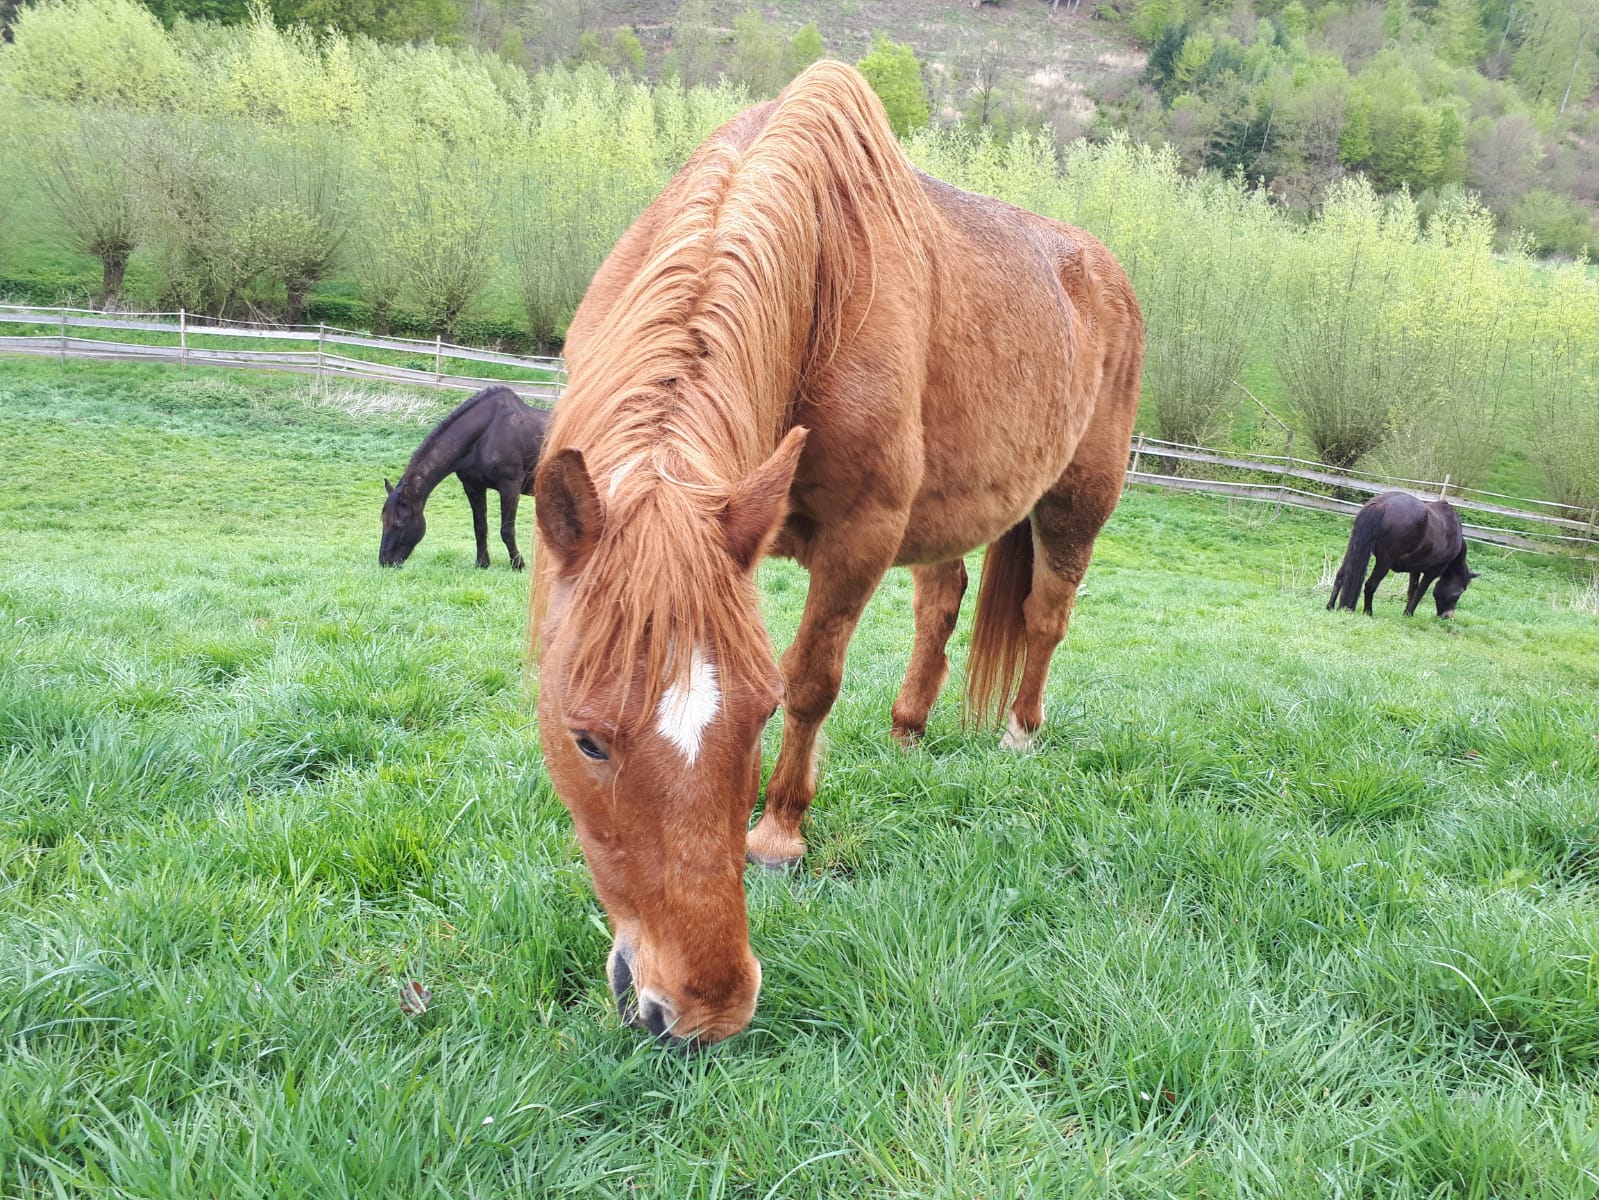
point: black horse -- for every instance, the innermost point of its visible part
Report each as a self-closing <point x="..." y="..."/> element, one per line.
<point x="491" y="440"/>
<point x="1422" y="537"/>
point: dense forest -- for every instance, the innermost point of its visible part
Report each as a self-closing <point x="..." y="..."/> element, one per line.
<point x="1495" y="97"/>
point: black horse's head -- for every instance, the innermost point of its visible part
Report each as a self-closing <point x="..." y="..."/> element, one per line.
<point x="403" y="526"/>
<point x="1451" y="584"/>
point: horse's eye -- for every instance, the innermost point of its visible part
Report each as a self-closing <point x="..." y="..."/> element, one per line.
<point x="590" y="748"/>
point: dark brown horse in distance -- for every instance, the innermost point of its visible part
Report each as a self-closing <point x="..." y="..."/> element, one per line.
<point x="804" y="346"/>
<point x="491" y="442"/>
<point x="1422" y="537"/>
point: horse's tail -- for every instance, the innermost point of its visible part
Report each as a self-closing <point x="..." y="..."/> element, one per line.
<point x="999" y="632"/>
<point x="1362" y="539"/>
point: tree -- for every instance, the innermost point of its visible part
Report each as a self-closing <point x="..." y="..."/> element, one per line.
<point x="808" y="46"/>
<point x="692" y="57"/>
<point x="760" y="57"/>
<point x="90" y="188"/>
<point x="895" y="75"/>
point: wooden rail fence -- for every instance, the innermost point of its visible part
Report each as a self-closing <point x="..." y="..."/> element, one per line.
<point x="1503" y="520"/>
<point x="1523" y="524"/>
<point x="313" y="350"/>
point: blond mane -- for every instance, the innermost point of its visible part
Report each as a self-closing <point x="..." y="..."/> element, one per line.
<point x="762" y="248"/>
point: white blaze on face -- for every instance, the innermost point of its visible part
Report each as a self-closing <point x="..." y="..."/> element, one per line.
<point x="687" y="709"/>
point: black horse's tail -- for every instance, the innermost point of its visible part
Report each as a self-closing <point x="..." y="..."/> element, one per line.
<point x="1352" y="574"/>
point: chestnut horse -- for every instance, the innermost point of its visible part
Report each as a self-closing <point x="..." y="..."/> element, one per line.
<point x="805" y="346"/>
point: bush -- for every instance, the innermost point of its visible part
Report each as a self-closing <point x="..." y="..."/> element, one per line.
<point x="895" y="75"/>
<point x="93" y="52"/>
<point x="1345" y="352"/>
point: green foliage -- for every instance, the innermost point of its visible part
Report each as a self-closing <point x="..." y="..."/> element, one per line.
<point x="1346" y="353"/>
<point x="761" y="58"/>
<point x="1554" y="224"/>
<point x="807" y="46"/>
<point x="1563" y="376"/>
<point x="895" y="75"/>
<point x="93" y="52"/>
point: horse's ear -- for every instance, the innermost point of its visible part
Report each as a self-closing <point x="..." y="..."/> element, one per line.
<point x="569" y="512"/>
<point x="388" y="487"/>
<point x="758" y="505"/>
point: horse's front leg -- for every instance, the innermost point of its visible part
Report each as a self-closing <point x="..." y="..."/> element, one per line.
<point x="845" y="569"/>
<point x="937" y="603"/>
<point x="477" y="497"/>
<point x="1419" y="583"/>
<point x="510" y="495"/>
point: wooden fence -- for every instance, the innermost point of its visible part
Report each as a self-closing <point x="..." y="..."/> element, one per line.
<point x="183" y="339"/>
<point x="318" y="350"/>
<point x="1540" y="525"/>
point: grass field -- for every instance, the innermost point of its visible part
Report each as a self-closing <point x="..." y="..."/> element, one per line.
<point x="1288" y="904"/>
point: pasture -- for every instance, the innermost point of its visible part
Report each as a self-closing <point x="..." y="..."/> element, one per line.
<point x="1288" y="903"/>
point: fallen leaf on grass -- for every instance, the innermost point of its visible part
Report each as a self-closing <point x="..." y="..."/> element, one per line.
<point x="414" y="998"/>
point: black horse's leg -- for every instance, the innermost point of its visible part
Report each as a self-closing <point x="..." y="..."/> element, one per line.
<point x="1338" y="582"/>
<point x="1377" y="576"/>
<point x="1419" y="583"/>
<point x="509" y="496"/>
<point x="477" y="497"/>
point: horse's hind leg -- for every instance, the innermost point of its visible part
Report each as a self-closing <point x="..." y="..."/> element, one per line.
<point x="1066" y="521"/>
<point x="1377" y="576"/>
<point x="477" y="497"/>
<point x="938" y="600"/>
<point x="510" y="495"/>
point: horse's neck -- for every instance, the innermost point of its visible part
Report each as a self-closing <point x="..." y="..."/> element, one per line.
<point x="438" y="454"/>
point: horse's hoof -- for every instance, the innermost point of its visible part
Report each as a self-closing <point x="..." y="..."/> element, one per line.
<point x="772" y="848"/>
<point x="779" y="866"/>
<point x="482" y="564"/>
<point x="1017" y="738"/>
<point x="519" y="563"/>
<point x="908" y="736"/>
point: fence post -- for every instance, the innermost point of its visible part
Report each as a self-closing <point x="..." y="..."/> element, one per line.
<point x="63" y="335"/>
<point x="1138" y="450"/>
<point x="438" y="360"/>
<point x="1282" y="480"/>
<point x="1443" y="488"/>
<point x="321" y="338"/>
<point x="183" y="340"/>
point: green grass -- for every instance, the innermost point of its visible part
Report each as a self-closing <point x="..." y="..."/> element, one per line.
<point x="1288" y="903"/>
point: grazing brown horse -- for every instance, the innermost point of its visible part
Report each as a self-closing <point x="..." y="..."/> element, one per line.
<point x="1422" y="537"/>
<point x="491" y="442"/>
<point x="807" y="346"/>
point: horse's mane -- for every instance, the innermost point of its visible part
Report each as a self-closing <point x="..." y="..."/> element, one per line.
<point x="443" y="427"/>
<point x="755" y="266"/>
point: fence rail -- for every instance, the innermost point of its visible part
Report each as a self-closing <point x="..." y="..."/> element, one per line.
<point x="1545" y="525"/>
<point x="1556" y="526"/>
<point x="315" y="349"/>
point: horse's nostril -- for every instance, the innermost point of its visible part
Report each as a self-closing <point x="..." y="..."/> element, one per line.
<point x="657" y="1017"/>
<point x="619" y="972"/>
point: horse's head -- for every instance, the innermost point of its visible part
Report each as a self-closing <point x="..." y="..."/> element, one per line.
<point x="403" y="526"/>
<point x="1454" y="581"/>
<point x="656" y="678"/>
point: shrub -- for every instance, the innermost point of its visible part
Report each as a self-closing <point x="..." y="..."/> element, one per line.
<point x="1345" y="353"/>
<point x="93" y="52"/>
<point x="895" y="75"/>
